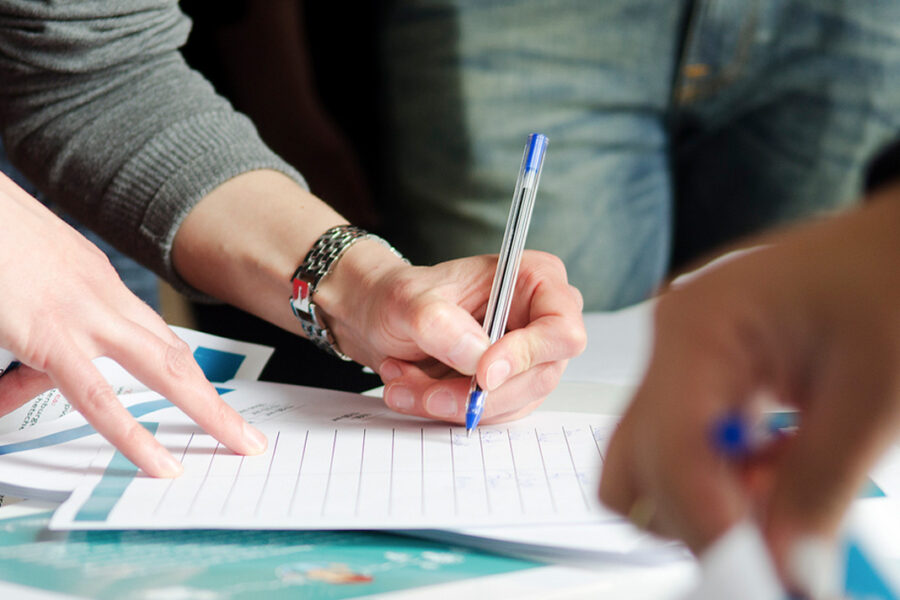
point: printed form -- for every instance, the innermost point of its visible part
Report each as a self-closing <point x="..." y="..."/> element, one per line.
<point x="344" y="461"/>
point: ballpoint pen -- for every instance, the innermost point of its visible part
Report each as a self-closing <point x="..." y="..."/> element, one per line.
<point x="737" y="436"/>
<point x="508" y="264"/>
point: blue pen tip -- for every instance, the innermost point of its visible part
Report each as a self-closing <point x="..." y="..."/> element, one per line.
<point x="474" y="410"/>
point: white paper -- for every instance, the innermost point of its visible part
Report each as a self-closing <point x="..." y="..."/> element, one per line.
<point x="52" y="405"/>
<point x="619" y="343"/>
<point x="582" y="544"/>
<point x="6" y="359"/>
<point x="344" y="461"/>
<point x="618" y="346"/>
<point x="738" y="567"/>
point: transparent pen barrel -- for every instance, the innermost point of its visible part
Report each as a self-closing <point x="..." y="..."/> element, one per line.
<point x="514" y="239"/>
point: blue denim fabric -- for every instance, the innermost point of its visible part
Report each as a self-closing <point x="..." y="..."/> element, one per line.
<point x="142" y="282"/>
<point x="671" y="131"/>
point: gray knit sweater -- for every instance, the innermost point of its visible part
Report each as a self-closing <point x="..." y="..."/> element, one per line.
<point x="100" y="111"/>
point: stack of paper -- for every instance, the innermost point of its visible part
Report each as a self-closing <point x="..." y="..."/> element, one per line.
<point x="335" y="461"/>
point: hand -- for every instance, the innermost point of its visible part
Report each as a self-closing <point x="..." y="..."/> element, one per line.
<point x="419" y="328"/>
<point x="63" y="305"/>
<point x="812" y="319"/>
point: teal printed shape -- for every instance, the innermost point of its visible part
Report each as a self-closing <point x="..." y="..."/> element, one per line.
<point x="871" y="490"/>
<point x="232" y="565"/>
<point x="60" y="437"/>
<point x="67" y="435"/>
<point x="111" y="486"/>
<point x="863" y="581"/>
<point x="218" y="365"/>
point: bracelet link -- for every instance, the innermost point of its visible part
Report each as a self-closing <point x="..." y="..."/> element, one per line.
<point x="319" y="261"/>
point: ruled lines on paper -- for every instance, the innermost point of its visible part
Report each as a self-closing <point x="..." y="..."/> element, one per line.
<point x="363" y="475"/>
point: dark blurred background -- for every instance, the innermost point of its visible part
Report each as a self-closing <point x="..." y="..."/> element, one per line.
<point x="308" y="77"/>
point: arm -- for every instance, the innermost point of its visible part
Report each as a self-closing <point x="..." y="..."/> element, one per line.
<point x="102" y="112"/>
<point x="99" y="110"/>
<point x="415" y="326"/>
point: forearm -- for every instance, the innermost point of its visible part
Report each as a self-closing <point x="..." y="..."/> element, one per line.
<point x="243" y="242"/>
<point x="100" y="111"/>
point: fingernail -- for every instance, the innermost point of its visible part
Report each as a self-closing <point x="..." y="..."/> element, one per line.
<point x="814" y="567"/>
<point x="400" y="398"/>
<point x="465" y="354"/>
<point x="441" y="404"/>
<point x="257" y="438"/>
<point x="167" y="465"/>
<point x="389" y="370"/>
<point x="497" y="374"/>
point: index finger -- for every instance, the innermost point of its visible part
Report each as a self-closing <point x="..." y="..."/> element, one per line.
<point x="170" y="369"/>
<point x="86" y="389"/>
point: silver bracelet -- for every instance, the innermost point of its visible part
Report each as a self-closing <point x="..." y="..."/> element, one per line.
<point x="320" y="260"/>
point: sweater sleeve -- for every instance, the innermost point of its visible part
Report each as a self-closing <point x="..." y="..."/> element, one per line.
<point x="100" y="111"/>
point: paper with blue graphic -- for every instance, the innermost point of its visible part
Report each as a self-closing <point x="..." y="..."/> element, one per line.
<point x="344" y="461"/>
<point x="45" y="447"/>
<point x="221" y="359"/>
<point x="738" y="567"/>
<point x="230" y="565"/>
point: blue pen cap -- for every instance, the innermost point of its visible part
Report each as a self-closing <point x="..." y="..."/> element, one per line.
<point x="537" y="145"/>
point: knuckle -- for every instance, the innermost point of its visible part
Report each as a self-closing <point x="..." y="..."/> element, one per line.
<point x="546" y="379"/>
<point x="428" y="317"/>
<point x="96" y="398"/>
<point x="101" y="269"/>
<point x="42" y="340"/>
<point x="550" y="262"/>
<point x="579" y="297"/>
<point x="132" y="434"/>
<point x="555" y="262"/>
<point x="220" y="413"/>
<point x="178" y="359"/>
<point x="576" y="340"/>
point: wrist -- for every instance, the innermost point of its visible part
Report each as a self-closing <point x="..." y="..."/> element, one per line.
<point x="344" y="297"/>
<point x="324" y="256"/>
<point x="242" y="242"/>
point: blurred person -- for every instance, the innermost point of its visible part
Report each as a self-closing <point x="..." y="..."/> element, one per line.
<point x="812" y="318"/>
<point x="675" y="126"/>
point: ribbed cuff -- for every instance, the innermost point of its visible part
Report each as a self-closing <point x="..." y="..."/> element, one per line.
<point x="176" y="169"/>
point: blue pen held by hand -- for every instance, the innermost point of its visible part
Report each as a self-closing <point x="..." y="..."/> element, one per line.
<point x="508" y="264"/>
<point x="737" y="437"/>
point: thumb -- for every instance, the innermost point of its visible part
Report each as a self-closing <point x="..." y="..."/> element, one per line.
<point x="446" y="332"/>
